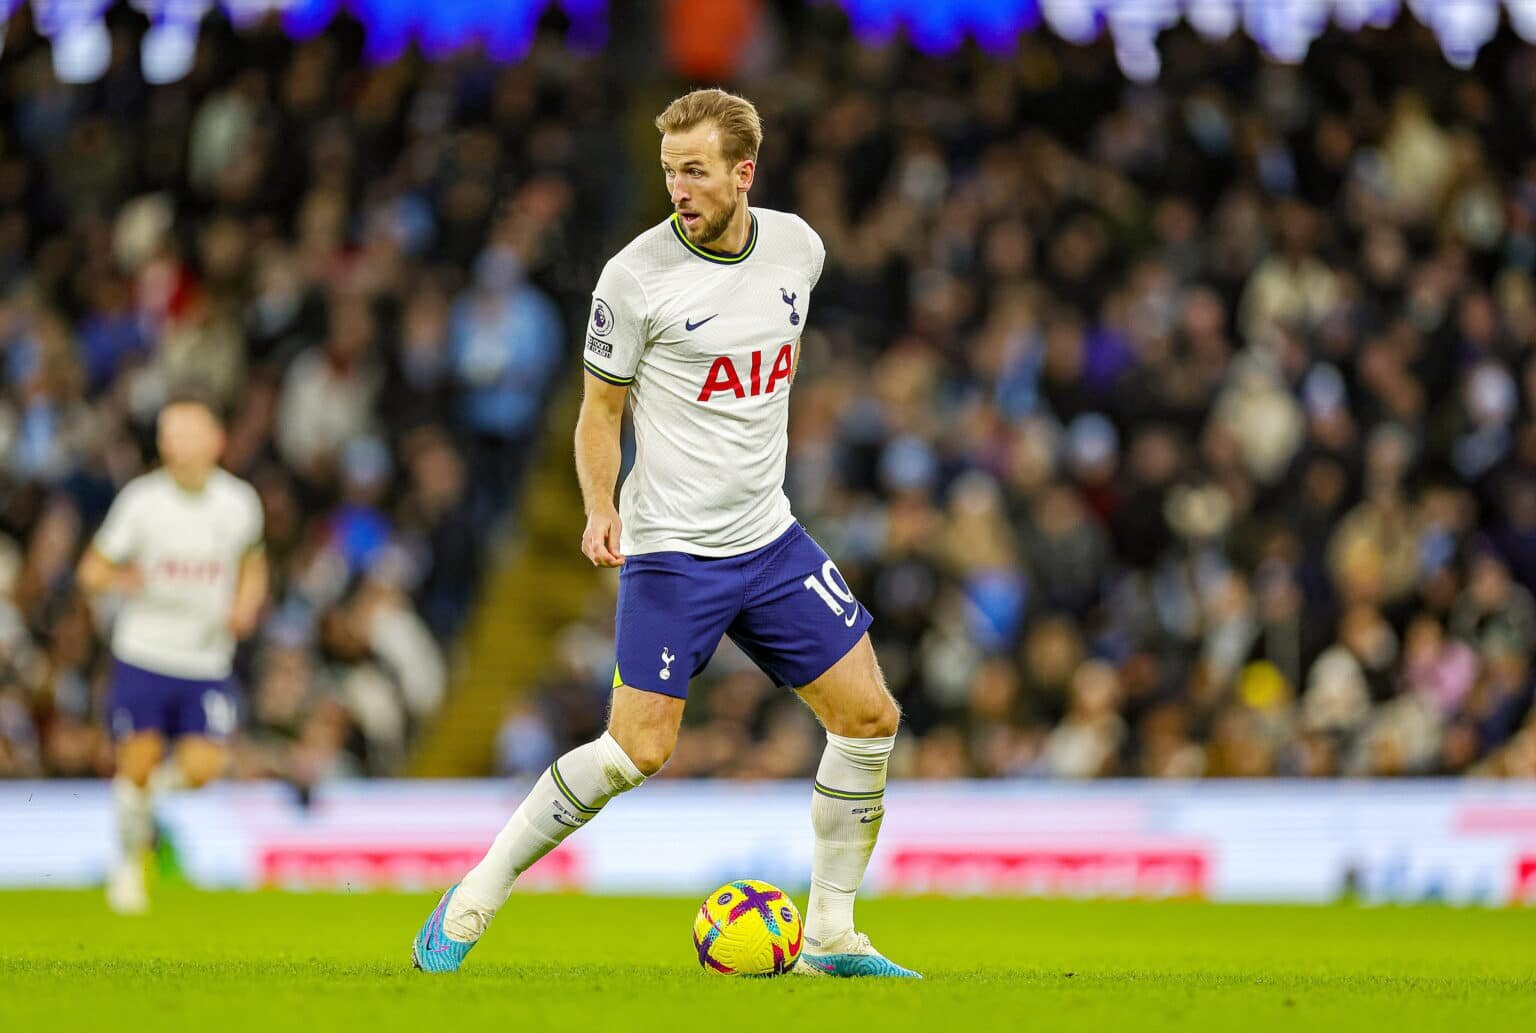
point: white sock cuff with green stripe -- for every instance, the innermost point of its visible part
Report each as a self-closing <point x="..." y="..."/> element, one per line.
<point x="593" y="774"/>
<point x="854" y="769"/>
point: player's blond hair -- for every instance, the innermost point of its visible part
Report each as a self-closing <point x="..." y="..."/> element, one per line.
<point x="741" y="130"/>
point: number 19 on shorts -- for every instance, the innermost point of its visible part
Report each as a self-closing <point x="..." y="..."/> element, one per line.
<point x="834" y="592"/>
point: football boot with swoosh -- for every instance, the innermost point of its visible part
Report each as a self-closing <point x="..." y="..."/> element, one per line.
<point x="849" y="956"/>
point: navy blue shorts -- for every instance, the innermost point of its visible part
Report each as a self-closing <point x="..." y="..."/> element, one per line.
<point x="786" y="605"/>
<point x="144" y="701"/>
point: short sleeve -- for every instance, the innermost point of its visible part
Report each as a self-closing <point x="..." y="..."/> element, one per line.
<point x="817" y="253"/>
<point x="255" y="519"/>
<point x="118" y="538"/>
<point x="616" y="329"/>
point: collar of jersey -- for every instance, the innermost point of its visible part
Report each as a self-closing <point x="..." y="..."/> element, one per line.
<point x="716" y="256"/>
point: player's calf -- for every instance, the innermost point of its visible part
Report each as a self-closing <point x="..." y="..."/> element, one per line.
<point x="847" y="808"/>
<point x="571" y="792"/>
<point x="848" y="804"/>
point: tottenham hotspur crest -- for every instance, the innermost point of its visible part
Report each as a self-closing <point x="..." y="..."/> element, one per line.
<point x="789" y="299"/>
<point x="666" y="659"/>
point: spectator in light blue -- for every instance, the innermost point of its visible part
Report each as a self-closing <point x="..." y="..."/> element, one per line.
<point x="505" y="338"/>
<point x="525" y="744"/>
<point x="359" y="527"/>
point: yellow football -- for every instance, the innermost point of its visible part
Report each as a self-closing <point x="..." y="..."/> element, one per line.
<point x="747" y="928"/>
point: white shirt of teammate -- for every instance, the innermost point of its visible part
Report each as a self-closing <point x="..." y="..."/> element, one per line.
<point x="188" y="547"/>
<point x="706" y="343"/>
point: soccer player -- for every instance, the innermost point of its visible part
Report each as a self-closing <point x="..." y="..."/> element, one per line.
<point x="183" y="547"/>
<point x="696" y="326"/>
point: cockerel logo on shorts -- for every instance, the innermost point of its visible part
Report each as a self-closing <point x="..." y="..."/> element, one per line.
<point x="666" y="659"/>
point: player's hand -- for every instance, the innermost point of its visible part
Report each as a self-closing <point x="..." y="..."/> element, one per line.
<point x="242" y="625"/>
<point x="600" y="541"/>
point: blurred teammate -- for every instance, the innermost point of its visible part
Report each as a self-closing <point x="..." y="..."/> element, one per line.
<point x="183" y="547"/>
<point x="696" y="325"/>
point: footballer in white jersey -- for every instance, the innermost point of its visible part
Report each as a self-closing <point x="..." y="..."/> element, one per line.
<point x="706" y="344"/>
<point x="695" y="326"/>
<point x="182" y="548"/>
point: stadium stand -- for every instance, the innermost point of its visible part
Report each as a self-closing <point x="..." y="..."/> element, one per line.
<point x="1169" y="430"/>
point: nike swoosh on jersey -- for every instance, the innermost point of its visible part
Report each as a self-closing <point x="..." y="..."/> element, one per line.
<point x="691" y="326"/>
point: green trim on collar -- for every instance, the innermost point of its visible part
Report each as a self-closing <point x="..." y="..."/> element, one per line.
<point x="715" y="256"/>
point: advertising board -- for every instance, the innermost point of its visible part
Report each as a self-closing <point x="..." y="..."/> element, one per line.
<point x="1460" y="842"/>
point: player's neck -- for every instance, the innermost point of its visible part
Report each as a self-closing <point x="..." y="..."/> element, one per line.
<point x="734" y="239"/>
<point x="189" y="481"/>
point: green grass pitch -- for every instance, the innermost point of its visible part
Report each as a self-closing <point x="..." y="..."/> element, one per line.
<point x="269" y="962"/>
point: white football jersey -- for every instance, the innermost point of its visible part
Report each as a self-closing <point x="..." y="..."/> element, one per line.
<point x="188" y="546"/>
<point x="706" y="343"/>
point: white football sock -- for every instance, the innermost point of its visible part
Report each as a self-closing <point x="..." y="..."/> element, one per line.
<point x="166" y="778"/>
<point x="135" y="828"/>
<point x="846" y="811"/>
<point x="568" y="795"/>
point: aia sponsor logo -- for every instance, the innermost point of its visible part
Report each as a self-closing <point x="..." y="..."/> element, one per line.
<point x="190" y="570"/>
<point x="725" y="378"/>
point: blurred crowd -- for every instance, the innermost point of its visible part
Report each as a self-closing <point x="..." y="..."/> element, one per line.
<point x="1170" y="430"/>
<point x="1176" y="431"/>
<point x="369" y="268"/>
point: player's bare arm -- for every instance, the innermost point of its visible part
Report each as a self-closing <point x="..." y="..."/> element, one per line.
<point x="250" y="593"/>
<point x="98" y="575"/>
<point x="597" y="468"/>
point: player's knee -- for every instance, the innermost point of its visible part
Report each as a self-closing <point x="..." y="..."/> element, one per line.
<point x="876" y="719"/>
<point x="645" y="726"/>
<point x="135" y="770"/>
<point x="647" y="746"/>
<point x="138" y="756"/>
<point x="202" y="767"/>
<point x="881" y="720"/>
<point x="887" y="719"/>
<point x="650" y="754"/>
<point x="197" y="776"/>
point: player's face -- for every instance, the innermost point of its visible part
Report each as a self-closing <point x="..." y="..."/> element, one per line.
<point x="705" y="189"/>
<point x="190" y="439"/>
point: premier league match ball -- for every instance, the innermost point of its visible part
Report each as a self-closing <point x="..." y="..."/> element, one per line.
<point x="747" y="928"/>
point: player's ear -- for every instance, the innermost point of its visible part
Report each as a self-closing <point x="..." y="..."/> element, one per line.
<point x="745" y="171"/>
